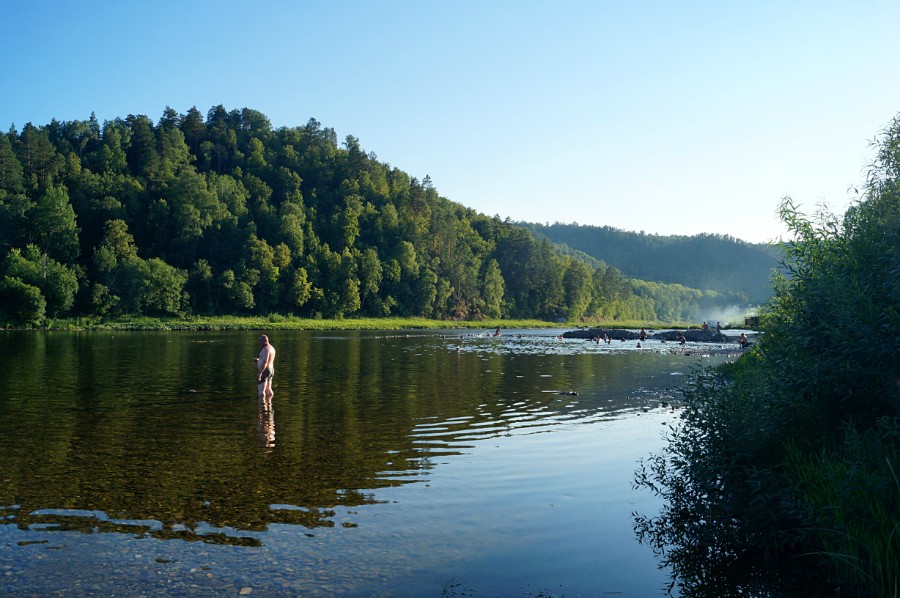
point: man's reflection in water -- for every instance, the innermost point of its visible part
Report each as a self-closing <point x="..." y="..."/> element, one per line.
<point x="265" y="423"/>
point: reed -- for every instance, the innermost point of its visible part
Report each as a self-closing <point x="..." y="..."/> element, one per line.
<point x="853" y="494"/>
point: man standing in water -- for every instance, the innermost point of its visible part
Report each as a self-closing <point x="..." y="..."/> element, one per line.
<point x="265" y="365"/>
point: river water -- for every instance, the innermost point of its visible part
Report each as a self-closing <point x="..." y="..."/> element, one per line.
<point x="389" y="464"/>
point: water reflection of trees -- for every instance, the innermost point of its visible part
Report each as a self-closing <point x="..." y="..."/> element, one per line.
<point x="165" y="428"/>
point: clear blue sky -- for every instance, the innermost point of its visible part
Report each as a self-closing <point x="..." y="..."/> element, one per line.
<point x="666" y="117"/>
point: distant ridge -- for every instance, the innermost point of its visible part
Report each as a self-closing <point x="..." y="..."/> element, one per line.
<point x="706" y="261"/>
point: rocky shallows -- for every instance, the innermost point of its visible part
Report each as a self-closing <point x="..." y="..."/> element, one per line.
<point x="691" y="336"/>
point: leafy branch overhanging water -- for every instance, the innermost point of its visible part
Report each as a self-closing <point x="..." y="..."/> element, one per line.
<point x="782" y="477"/>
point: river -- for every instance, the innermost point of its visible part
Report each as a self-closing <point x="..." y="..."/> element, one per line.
<point x="427" y="463"/>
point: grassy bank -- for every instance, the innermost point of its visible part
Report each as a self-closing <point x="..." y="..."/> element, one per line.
<point x="279" y="322"/>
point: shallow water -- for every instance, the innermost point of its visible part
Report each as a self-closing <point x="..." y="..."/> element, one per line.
<point x="390" y="464"/>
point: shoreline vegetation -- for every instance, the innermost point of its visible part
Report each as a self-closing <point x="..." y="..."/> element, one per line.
<point x="782" y="479"/>
<point x="287" y="322"/>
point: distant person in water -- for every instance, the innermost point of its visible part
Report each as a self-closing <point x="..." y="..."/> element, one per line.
<point x="705" y="326"/>
<point x="681" y="339"/>
<point x="497" y="332"/>
<point x="265" y="365"/>
<point x="742" y="341"/>
<point x="643" y="334"/>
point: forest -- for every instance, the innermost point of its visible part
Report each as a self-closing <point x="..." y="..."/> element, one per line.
<point x="720" y="263"/>
<point x="224" y="214"/>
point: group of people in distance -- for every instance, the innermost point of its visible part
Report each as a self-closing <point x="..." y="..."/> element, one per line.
<point x="742" y="340"/>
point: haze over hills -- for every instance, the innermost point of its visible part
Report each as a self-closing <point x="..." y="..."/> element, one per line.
<point x="708" y="262"/>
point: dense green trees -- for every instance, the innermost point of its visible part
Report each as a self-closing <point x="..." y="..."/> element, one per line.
<point x="225" y="214"/>
<point x="56" y="282"/>
<point x="783" y="478"/>
<point x="737" y="272"/>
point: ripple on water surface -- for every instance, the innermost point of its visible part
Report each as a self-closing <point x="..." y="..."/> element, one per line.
<point x="139" y="462"/>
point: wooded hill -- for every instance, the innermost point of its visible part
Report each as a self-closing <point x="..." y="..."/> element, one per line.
<point x="720" y="263"/>
<point x="223" y="214"/>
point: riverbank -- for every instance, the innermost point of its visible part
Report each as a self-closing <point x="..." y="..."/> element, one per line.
<point x="280" y="322"/>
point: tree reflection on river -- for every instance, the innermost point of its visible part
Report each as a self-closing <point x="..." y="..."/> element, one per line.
<point x="386" y="464"/>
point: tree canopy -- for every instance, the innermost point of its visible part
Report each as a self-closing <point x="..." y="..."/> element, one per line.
<point x="225" y="214"/>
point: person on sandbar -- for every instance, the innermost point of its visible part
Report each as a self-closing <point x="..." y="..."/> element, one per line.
<point x="265" y="365"/>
